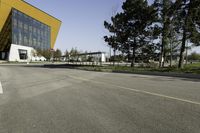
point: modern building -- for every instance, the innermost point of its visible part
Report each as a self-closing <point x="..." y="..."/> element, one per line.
<point x="25" y="28"/>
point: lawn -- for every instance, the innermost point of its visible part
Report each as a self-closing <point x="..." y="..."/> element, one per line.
<point x="191" y="68"/>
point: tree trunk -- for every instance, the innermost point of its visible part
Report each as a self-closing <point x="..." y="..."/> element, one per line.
<point x="184" y="39"/>
<point x="129" y="55"/>
<point x="165" y="32"/>
<point x="181" y="60"/>
<point x="161" y="56"/>
<point x="133" y="59"/>
<point x="186" y="56"/>
<point x="171" y="52"/>
<point x="114" y="51"/>
<point x="164" y="58"/>
<point x="164" y="43"/>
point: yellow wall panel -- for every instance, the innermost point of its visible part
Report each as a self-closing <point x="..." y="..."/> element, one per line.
<point x="7" y="5"/>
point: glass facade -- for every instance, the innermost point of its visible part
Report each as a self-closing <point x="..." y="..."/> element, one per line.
<point x="5" y="38"/>
<point x="5" y="35"/>
<point x="28" y="31"/>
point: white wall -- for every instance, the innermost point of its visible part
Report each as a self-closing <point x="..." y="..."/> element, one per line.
<point x="14" y="53"/>
<point x="103" y="57"/>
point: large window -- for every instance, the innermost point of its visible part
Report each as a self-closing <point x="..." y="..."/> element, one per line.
<point x="29" y="32"/>
<point x="6" y="35"/>
<point x="23" y="54"/>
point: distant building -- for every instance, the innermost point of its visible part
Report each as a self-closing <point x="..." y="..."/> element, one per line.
<point x="24" y="27"/>
<point x="96" y="56"/>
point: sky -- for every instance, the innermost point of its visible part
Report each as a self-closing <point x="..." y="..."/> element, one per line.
<point x="82" y="21"/>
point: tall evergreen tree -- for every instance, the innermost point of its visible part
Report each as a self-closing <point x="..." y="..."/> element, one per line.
<point x="130" y="28"/>
<point x="164" y="15"/>
<point x="111" y="40"/>
<point x="57" y="54"/>
<point x="187" y="17"/>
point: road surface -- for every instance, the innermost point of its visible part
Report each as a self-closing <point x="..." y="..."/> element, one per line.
<point x="58" y="100"/>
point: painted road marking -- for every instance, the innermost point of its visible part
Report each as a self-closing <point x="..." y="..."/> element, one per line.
<point x="1" y="88"/>
<point x="140" y="91"/>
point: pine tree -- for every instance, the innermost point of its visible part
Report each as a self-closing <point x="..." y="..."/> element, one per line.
<point x="164" y="14"/>
<point x="139" y="15"/>
<point x="130" y="29"/>
<point x="188" y="25"/>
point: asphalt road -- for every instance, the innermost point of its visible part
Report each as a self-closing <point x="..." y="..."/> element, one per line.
<point x="58" y="100"/>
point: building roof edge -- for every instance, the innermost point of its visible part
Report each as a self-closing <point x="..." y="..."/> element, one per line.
<point x="41" y="10"/>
